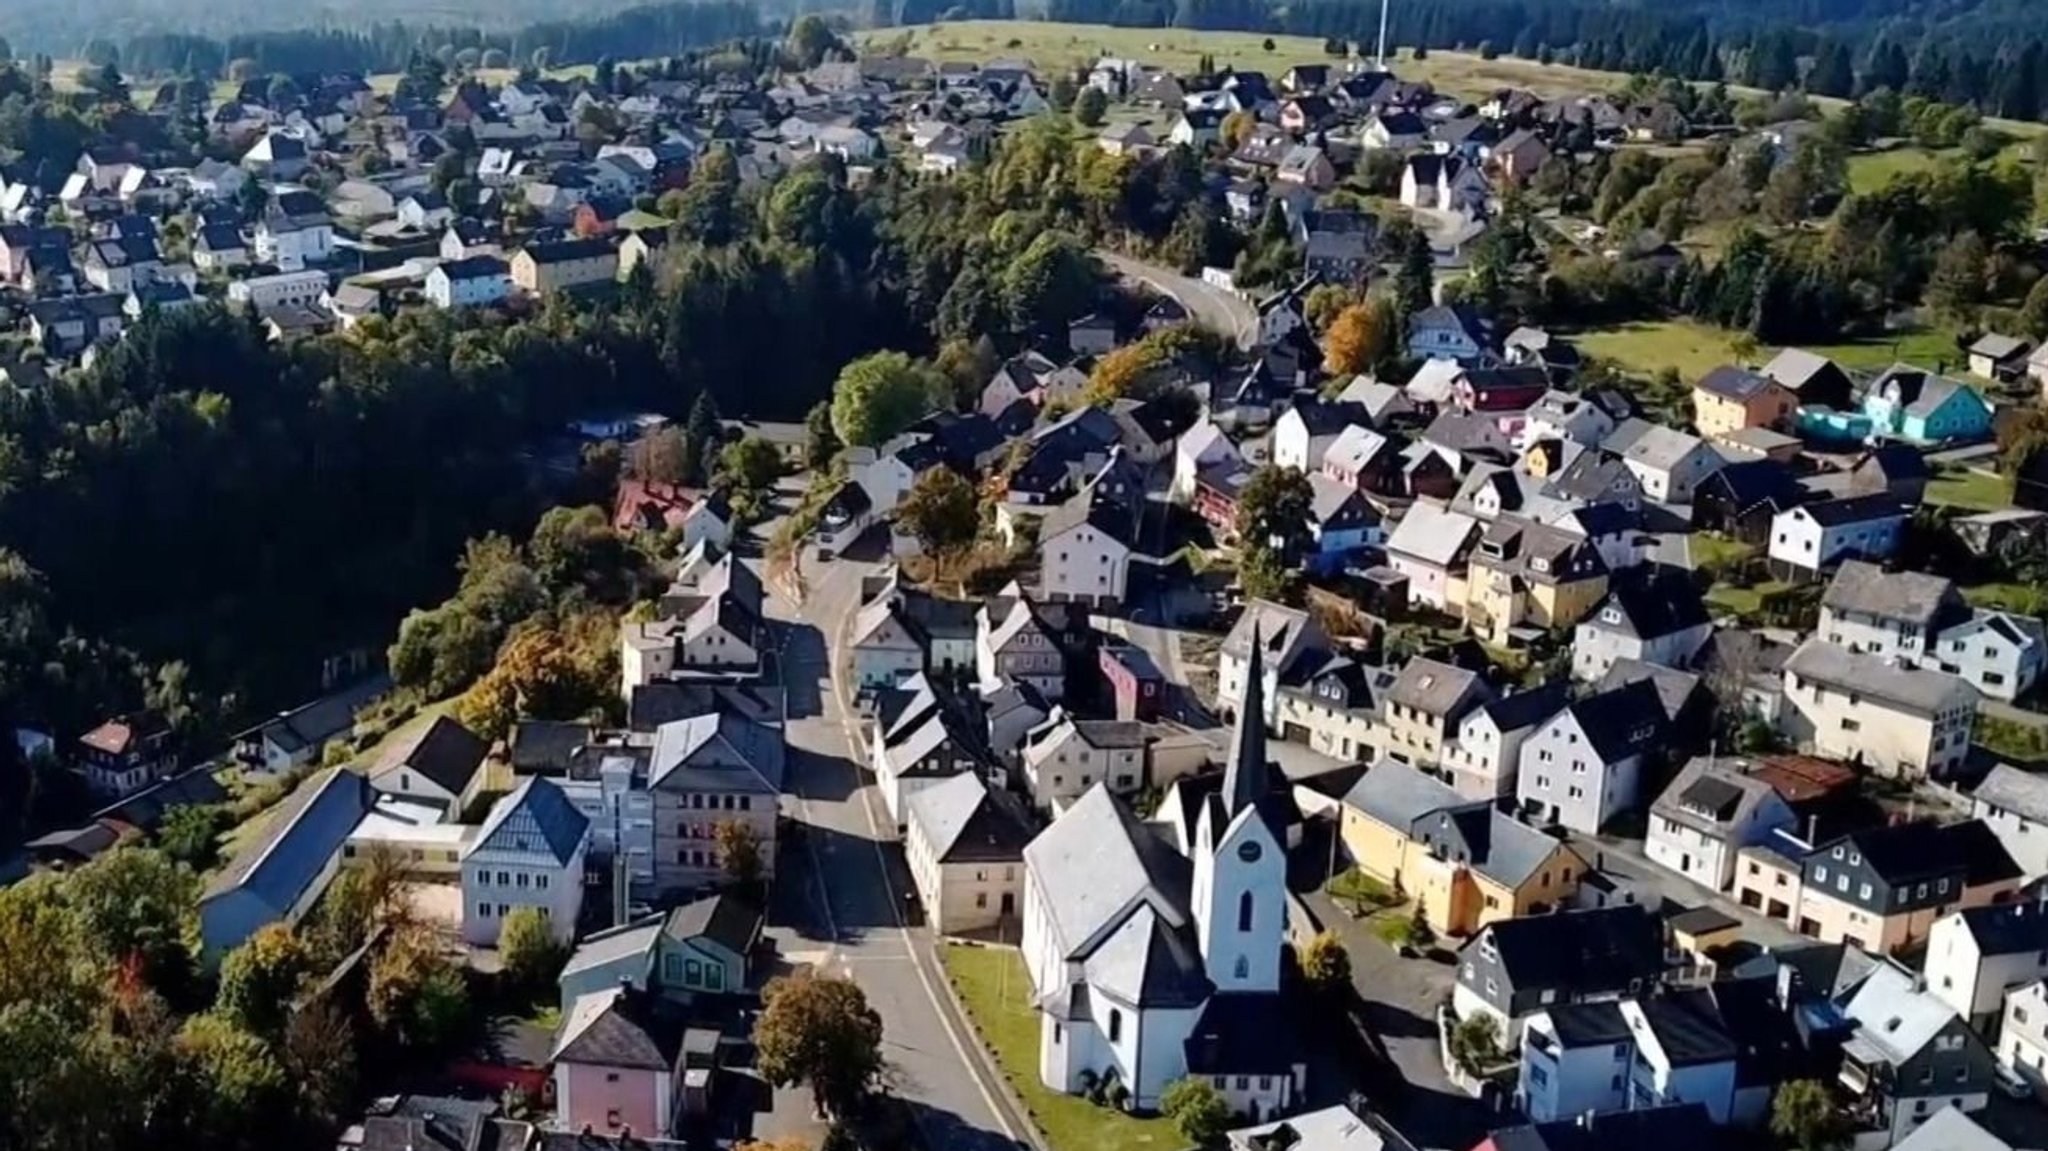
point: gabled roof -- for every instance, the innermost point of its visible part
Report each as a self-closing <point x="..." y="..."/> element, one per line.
<point x="1432" y="534"/>
<point x="1654" y="601"/>
<point x="621" y="1027"/>
<point x="719" y="752"/>
<point x="725" y="919"/>
<point x="298" y="841"/>
<point x="963" y="821"/>
<point x="1094" y="860"/>
<point x="1622" y="722"/>
<point x="1906" y="596"/>
<point x="1950" y="1130"/>
<point x="445" y="752"/>
<point x="1603" y="949"/>
<point x="1873" y="676"/>
<point x="1733" y="383"/>
<point x="535" y="819"/>
<point x="2007" y="788"/>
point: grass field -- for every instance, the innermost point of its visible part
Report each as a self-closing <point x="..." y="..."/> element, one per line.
<point x="1049" y="46"/>
<point x="992" y="983"/>
<point x="1694" y="348"/>
<point x="1870" y="171"/>
<point x="1970" y="489"/>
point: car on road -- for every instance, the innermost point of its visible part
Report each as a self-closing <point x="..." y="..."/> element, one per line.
<point x="2011" y="1083"/>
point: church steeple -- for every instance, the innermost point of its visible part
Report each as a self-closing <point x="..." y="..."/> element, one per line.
<point x="1246" y="777"/>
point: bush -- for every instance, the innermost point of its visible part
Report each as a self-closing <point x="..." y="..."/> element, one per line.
<point x="1197" y="1109"/>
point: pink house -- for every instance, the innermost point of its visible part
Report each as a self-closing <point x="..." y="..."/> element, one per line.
<point x="619" y="1064"/>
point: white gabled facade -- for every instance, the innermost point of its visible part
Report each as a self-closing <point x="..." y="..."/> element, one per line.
<point x="528" y="853"/>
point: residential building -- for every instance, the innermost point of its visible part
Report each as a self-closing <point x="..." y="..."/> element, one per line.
<point x="1136" y="683"/>
<point x="528" y="853"/>
<point x="1636" y="1053"/>
<point x="922" y="737"/>
<point x="1531" y="574"/>
<point x="1711" y="811"/>
<point x="1683" y="1127"/>
<point x="965" y="847"/>
<point x="1085" y="548"/>
<point x="127" y="753"/>
<point x="1729" y="399"/>
<point x="471" y="282"/>
<point x="1447" y="332"/>
<point x="283" y="289"/>
<point x="1149" y="965"/>
<point x="1883" y="888"/>
<point x="1584" y="765"/>
<point x="1998" y="653"/>
<point x="1923" y="408"/>
<point x="1977" y="955"/>
<point x="1816" y="380"/>
<point x="1900" y="722"/>
<point x="1485" y="759"/>
<point x="1064" y="757"/>
<point x="2014" y="805"/>
<point x="1669" y="463"/>
<point x="1908" y="1057"/>
<point x="1432" y="547"/>
<point x="1893" y="615"/>
<point x="1422" y="707"/>
<point x="2022" y="1042"/>
<point x="619" y="1064"/>
<point x="1334" y="1128"/>
<point x="1810" y="538"/>
<point x="1516" y="967"/>
<point x="1465" y="862"/>
<point x="1284" y="640"/>
<point x="440" y="764"/>
<point x="704" y="947"/>
<point x="705" y="770"/>
<point x="1305" y="431"/>
<point x="564" y="265"/>
<point x="1655" y="616"/>
<point x="1012" y="642"/>
<point x="281" y="874"/>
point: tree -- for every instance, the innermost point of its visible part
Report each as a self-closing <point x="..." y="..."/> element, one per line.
<point x="319" y="1056"/>
<point x="1090" y="106"/>
<point x="1273" y="512"/>
<point x="2034" y="312"/>
<point x="810" y="38"/>
<point x="1236" y="129"/>
<point x="259" y="979"/>
<point x="738" y="847"/>
<point x="1415" y="282"/>
<point x="137" y="907"/>
<point x="527" y="945"/>
<point x="1806" y="1117"/>
<point x="1957" y="285"/>
<point x="1263" y="574"/>
<point x="239" y="1085"/>
<point x="416" y="994"/>
<point x="1325" y="965"/>
<point x="1358" y="337"/>
<point x="879" y="395"/>
<point x="1199" y="1111"/>
<point x="821" y="443"/>
<point x="573" y="547"/>
<point x="660" y="457"/>
<point x="941" y="510"/>
<point x="190" y="834"/>
<point x="819" y="1031"/>
<point x="1420" y="934"/>
<point x="749" y="464"/>
<point x="1052" y="282"/>
<point x="1475" y="1043"/>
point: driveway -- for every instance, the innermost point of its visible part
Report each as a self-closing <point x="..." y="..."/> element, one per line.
<point x="1400" y="998"/>
<point x="1215" y="308"/>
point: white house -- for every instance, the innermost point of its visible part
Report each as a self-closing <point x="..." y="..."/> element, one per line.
<point x="476" y="281"/>
<point x="1708" y="814"/>
<point x="294" y="289"/>
<point x="1429" y="546"/>
<point x="1668" y="462"/>
<point x="1272" y="637"/>
<point x="1806" y="540"/>
<point x="1900" y="722"/>
<point x="528" y="853"/>
<point x="1658" y="619"/>
<point x="1085" y="549"/>
<point x="1975" y="956"/>
<point x="2022" y="1040"/>
<point x="1064" y="757"/>
<point x="1629" y="1055"/>
<point x="2014" y="805"/>
<point x="1147" y="965"/>
<point x="1200" y="447"/>
<point x="1998" y="653"/>
<point x="1304" y="432"/>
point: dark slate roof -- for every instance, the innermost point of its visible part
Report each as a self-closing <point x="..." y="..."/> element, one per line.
<point x="1623" y="722"/>
<point x="1596" y="950"/>
<point x="1830" y="513"/>
<point x="1683" y="1127"/>
<point x="558" y="823"/>
<point x="1688" y="1026"/>
<point x="1655" y="601"/>
<point x="444" y="751"/>
<point x="1734" y="383"/>
<point x="1589" y="1024"/>
<point x="725" y="919"/>
<point x="298" y="840"/>
<point x="634" y="1029"/>
<point x="1242" y="1034"/>
<point x="1903" y="852"/>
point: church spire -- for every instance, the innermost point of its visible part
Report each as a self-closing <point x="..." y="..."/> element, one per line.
<point x="1245" y="775"/>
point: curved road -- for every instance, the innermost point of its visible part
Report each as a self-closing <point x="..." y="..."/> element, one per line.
<point x="1212" y="307"/>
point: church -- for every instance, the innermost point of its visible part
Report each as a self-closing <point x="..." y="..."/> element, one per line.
<point x="1155" y="948"/>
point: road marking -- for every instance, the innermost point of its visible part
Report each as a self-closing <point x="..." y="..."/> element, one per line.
<point x="853" y="745"/>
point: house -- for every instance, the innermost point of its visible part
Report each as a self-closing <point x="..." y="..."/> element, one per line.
<point x="1896" y="615"/>
<point x="1125" y="139"/>
<point x="1465" y="862"/>
<point x="704" y="770"/>
<point x="1641" y="1051"/>
<point x="1999" y="358"/>
<point x="1908" y="1057"/>
<point x="1951" y="1130"/>
<point x="219" y="247"/>
<point x="282" y="289"/>
<point x="441" y="764"/>
<point x="2021" y="1047"/>
<point x="1711" y="811"/>
<point x="1196" y="128"/>
<point x="1334" y="1128"/>
<point x="1900" y="722"/>
<point x="1449" y="332"/>
<point x="965" y="846"/>
<point x="295" y="230"/>
<point x="1815" y="380"/>
<point x="1680" y="1127"/>
<point x="1743" y="499"/>
<point x="1393" y="130"/>
<point x="1064" y="757"/>
<point x="1342" y="523"/>
<point x="1883" y="888"/>
<point x="471" y="282"/>
<point x="703" y="947"/>
<point x="922" y="737"/>
<point x="126" y="754"/>
<point x="1422" y="708"/>
<point x="1485" y="758"/>
<point x="1529" y="573"/>
<point x="1584" y="765"/>
<point x="276" y="156"/>
<point x="528" y="853"/>
<point x="887" y="646"/>
<point x="1515" y="967"/>
<point x="619" y="1064"/>
<point x="1149" y="965"/>
<point x="1669" y="463"/>
<point x="1977" y="955"/>
<point x="1655" y="616"/>
<point x="1432" y="547"/>
<point x="1923" y="408"/>
<point x="1998" y="653"/>
<point x="1304" y="432"/>
<point x="468" y="237"/>
<point x="1135" y="682"/>
<point x="1446" y="183"/>
<point x="1810" y="538"/>
<point x="1201" y="448"/>
<point x="1086" y="546"/>
<point x="278" y="877"/>
<point x="1012" y="642"/>
<point x="563" y="265"/>
<point x="2014" y="805"/>
<point x="1729" y="399"/>
<point x="300" y="736"/>
<point x="1519" y="156"/>
<point x="1307" y="166"/>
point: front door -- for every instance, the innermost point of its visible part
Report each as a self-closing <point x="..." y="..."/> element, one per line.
<point x="1009" y="904"/>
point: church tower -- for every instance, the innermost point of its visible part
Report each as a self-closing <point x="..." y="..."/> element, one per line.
<point x="1240" y="858"/>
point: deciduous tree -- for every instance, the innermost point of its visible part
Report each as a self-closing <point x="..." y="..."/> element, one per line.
<point x="879" y="395"/>
<point x="259" y="979"/>
<point x="1806" y="1117"/>
<point x="819" y="1031"/>
<point x="942" y="510"/>
<point x="532" y="956"/>
<point x="1325" y="965"/>
<point x="1199" y="1111"/>
<point x="738" y="847"/>
<point x="1358" y="337"/>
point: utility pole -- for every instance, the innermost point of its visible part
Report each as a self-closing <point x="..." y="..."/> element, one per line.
<point x="1381" y="63"/>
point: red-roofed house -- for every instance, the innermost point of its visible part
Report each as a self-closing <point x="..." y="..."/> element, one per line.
<point x="127" y="753"/>
<point x="643" y="505"/>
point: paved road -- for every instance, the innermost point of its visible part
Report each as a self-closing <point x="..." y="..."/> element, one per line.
<point x="1211" y="306"/>
<point x="840" y="901"/>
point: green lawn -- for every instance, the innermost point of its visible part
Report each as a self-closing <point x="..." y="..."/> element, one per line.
<point x="1969" y="488"/>
<point x="992" y="983"/>
<point x="1651" y="346"/>
<point x="1742" y="602"/>
<point x="1713" y="550"/>
<point x="1355" y="886"/>
<point x="1870" y="171"/>
<point x="2024" y="598"/>
<point x="1924" y="347"/>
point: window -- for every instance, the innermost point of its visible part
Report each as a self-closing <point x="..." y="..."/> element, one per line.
<point x="1242" y="969"/>
<point x="1116" y="1025"/>
<point x="980" y="900"/>
<point x="611" y="1077"/>
<point x="714" y="976"/>
<point x="1863" y="891"/>
<point x="541" y="881"/>
<point x="1820" y="873"/>
<point x="483" y="910"/>
<point x="483" y="879"/>
<point x="611" y="1119"/>
<point x="1851" y="725"/>
<point x="1244" y="1082"/>
<point x="1244" y="912"/>
<point x="693" y="971"/>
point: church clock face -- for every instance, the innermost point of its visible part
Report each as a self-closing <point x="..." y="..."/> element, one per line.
<point x="1248" y="851"/>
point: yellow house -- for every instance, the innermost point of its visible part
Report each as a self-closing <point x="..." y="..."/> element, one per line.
<point x="1727" y="400"/>
<point x="647" y="246"/>
<point x="1466" y="863"/>
<point x="1529" y="573"/>
<point x="965" y="848"/>
<point x="1881" y="888"/>
<point x="543" y="269"/>
<point x="1420" y="710"/>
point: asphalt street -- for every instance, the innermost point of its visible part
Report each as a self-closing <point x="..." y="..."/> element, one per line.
<point x="841" y="905"/>
<point x="1213" y="307"/>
